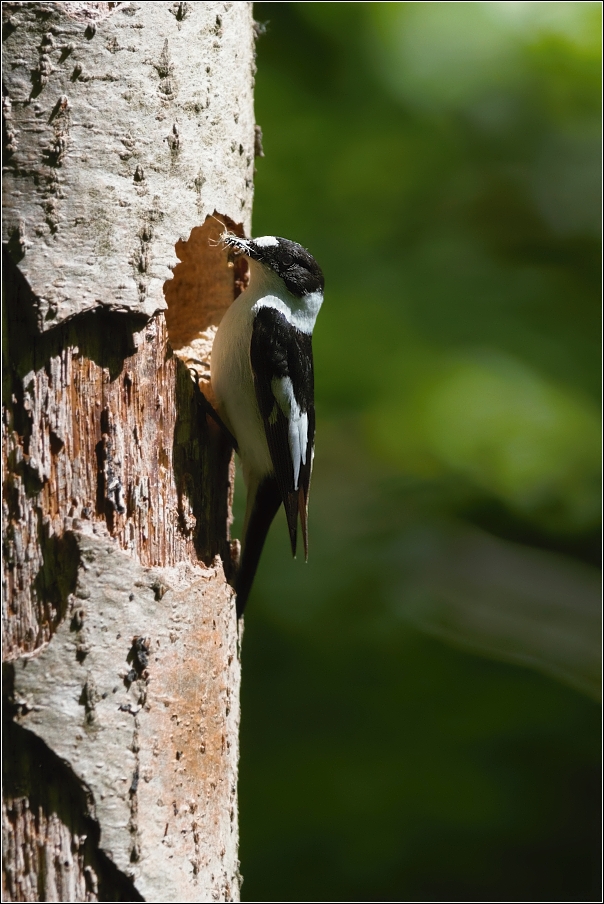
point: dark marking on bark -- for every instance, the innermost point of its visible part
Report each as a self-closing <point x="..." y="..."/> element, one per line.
<point x="173" y="139"/>
<point x="180" y="11"/>
<point x="138" y="656"/>
<point x="66" y="50"/>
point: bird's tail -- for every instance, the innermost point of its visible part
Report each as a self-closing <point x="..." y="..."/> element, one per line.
<point x="262" y="508"/>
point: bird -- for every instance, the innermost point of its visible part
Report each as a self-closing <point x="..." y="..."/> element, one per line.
<point x="262" y="378"/>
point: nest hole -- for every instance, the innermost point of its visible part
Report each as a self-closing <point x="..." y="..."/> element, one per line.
<point x="204" y="284"/>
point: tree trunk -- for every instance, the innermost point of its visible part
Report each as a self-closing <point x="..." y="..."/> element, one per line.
<point x="129" y="141"/>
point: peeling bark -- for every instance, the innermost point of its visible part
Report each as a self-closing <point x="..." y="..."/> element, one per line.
<point x="121" y="642"/>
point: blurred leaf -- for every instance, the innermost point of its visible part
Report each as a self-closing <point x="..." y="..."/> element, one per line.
<point x="513" y="434"/>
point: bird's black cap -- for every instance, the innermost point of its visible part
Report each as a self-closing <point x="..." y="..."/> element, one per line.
<point x="294" y="264"/>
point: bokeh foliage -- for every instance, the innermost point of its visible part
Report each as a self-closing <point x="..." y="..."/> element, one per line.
<point x="442" y="162"/>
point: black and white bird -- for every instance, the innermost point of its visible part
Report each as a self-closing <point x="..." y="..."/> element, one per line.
<point x="263" y="383"/>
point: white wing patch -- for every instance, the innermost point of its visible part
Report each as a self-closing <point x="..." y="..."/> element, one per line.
<point x="297" y="422"/>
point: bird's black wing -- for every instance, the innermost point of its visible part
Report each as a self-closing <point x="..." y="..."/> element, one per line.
<point x="281" y="358"/>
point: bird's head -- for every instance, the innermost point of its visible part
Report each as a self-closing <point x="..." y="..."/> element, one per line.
<point x="292" y="263"/>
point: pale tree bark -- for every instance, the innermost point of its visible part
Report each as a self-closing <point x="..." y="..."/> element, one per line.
<point x="129" y="141"/>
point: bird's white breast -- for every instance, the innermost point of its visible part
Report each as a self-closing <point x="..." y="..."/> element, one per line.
<point x="233" y="385"/>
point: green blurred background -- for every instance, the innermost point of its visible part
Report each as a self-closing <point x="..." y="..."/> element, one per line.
<point x="420" y="716"/>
